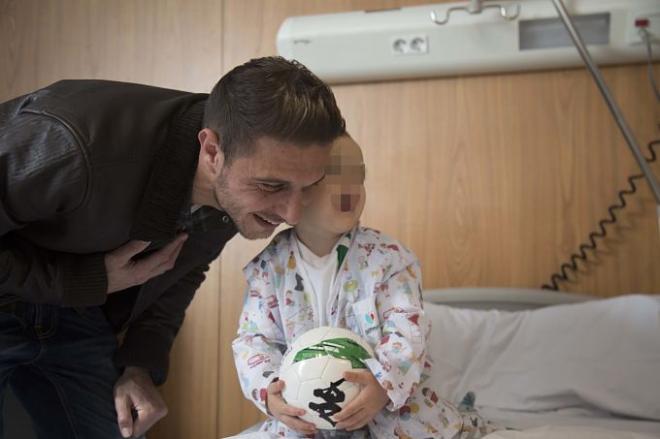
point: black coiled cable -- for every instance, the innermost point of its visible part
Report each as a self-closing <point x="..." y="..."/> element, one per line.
<point x="572" y="265"/>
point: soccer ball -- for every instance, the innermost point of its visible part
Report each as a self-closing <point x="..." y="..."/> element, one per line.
<point x="313" y="369"/>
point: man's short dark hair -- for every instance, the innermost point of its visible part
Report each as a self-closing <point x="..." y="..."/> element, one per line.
<point x="271" y="97"/>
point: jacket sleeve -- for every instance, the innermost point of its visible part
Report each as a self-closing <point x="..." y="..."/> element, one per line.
<point x="401" y="350"/>
<point x="148" y="340"/>
<point x="261" y="343"/>
<point x="43" y="174"/>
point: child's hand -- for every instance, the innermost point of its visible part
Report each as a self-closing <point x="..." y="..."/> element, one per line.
<point x="366" y="405"/>
<point x="284" y="412"/>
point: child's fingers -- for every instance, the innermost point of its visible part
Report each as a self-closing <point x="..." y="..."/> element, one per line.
<point x="298" y="424"/>
<point x="349" y="409"/>
<point x="276" y="387"/>
<point x="276" y="403"/>
<point x="354" y="421"/>
<point x="361" y="377"/>
<point x="290" y="410"/>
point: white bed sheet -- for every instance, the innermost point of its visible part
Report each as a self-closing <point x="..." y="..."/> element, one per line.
<point x="568" y="432"/>
<point x="569" y="417"/>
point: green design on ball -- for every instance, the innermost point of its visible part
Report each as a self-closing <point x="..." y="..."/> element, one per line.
<point x="343" y="348"/>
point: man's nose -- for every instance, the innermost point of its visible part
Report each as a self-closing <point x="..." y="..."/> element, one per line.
<point x="292" y="208"/>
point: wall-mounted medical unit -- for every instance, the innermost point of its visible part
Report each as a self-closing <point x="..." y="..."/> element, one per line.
<point x="447" y="39"/>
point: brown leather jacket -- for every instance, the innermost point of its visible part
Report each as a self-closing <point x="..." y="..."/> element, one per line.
<point x="86" y="166"/>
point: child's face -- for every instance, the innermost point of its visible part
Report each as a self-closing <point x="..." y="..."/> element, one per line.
<point x="336" y="203"/>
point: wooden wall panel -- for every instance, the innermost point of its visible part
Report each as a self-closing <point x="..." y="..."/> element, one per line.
<point x="508" y="173"/>
<point x="167" y="43"/>
<point x="492" y="180"/>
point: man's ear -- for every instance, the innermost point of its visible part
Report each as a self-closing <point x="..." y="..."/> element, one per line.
<point x="211" y="157"/>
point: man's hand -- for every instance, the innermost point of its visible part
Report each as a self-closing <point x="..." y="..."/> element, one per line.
<point x="366" y="405"/>
<point x="286" y="413"/>
<point x="123" y="272"/>
<point x="135" y="391"/>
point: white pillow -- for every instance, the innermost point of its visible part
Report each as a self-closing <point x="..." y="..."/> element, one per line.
<point x="604" y="353"/>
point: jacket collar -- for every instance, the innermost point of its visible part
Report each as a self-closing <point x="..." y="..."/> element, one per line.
<point x="169" y="188"/>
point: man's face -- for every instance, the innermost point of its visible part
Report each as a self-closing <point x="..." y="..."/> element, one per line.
<point x="266" y="188"/>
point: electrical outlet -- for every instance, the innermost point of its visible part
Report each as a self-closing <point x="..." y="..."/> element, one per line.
<point x="652" y="22"/>
<point x="410" y="44"/>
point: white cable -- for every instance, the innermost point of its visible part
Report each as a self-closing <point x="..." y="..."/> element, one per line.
<point x="647" y="40"/>
<point x="646" y="37"/>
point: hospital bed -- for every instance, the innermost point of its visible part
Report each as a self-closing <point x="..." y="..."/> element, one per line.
<point x="548" y="364"/>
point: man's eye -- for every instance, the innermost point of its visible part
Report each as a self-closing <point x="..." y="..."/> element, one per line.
<point x="269" y="187"/>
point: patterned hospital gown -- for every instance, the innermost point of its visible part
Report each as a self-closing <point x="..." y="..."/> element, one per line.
<point x="376" y="294"/>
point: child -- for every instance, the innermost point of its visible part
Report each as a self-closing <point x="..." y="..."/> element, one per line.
<point x="330" y="271"/>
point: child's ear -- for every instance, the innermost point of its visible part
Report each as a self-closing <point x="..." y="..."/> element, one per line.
<point x="363" y="200"/>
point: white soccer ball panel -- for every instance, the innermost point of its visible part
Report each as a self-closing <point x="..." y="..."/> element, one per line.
<point x="303" y="371"/>
<point x="287" y="359"/>
<point x="312" y="368"/>
<point x="335" y="368"/>
<point x="291" y="384"/>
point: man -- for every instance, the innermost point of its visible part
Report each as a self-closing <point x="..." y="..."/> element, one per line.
<point x="114" y="198"/>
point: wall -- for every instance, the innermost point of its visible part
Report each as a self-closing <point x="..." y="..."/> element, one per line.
<point x="491" y="180"/>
